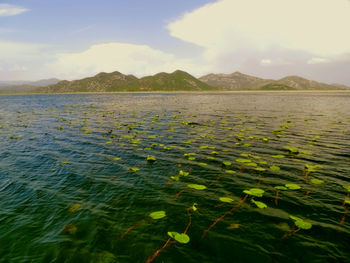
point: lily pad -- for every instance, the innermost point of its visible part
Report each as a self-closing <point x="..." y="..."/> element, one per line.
<point x="292" y="186"/>
<point x="281" y="188"/>
<point x="259" y="204"/>
<point x="347" y="187"/>
<point x="241" y="160"/>
<point x="227" y="163"/>
<point x="254" y="192"/>
<point x="317" y="181"/>
<point x="157" y="214"/>
<point x="181" y="238"/>
<point x="197" y="186"/>
<point x="226" y="199"/>
<point x="275" y="168"/>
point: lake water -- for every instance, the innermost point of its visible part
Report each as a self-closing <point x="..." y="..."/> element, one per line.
<point x="75" y="184"/>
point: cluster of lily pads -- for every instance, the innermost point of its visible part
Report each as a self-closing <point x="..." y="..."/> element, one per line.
<point x="224" y="147"/>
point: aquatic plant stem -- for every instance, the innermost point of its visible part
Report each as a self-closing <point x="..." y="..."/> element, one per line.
<point x="179" y="193"/>
<point x="168" y="243"/>
<point x="291" y="232"/>
<point x="225" y="214"/>
<point x="276" y="199"/>
<point x="131" y="228"/>
<point x="346" y="198"/>
<point x="342" y="221"/>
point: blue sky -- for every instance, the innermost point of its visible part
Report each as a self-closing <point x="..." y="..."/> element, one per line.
<point x="78" y="38"/>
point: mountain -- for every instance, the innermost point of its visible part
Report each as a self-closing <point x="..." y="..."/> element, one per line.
<point x="239" y="81"/>
<point x="116" y="81"/>
<point x="234" y="81"/>
<point x="25" y="86"/>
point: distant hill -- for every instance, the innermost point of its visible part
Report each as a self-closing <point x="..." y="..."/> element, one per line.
<point x="116" y="81"/>
<point x="239" y="81"/>
<point x="25" y="86"/>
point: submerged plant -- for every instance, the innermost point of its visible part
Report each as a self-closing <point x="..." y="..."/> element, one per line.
<point x="311" y="168"/>
<point x="300" y="224"/>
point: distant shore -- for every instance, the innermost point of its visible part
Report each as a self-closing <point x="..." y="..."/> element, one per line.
<point x="180" y="91"/>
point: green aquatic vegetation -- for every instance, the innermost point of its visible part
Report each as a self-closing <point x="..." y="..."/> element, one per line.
<point x="191" y="158"/>
<point x="180" y="237"/>
<point x="214" y="153"/>
<point x="204" y="164"/>
<point x="317" y="181"/>
<point x="259" y="204"/>
<point x="70" y="229"/>
<point x="230" y="171"/>
<point x="134" y="169"/>
<point x="262" y="162"/>
<point x="226" y="199"/>
<point x="274" y="168"/>
<point x="60" y="128"/>
<point x="151" y="159"/>
<point x="74" y="208"/>
<point x="64" y="162"/>
<point x="175" y="178"/>
<point x="157" y="214"/>
<point x="250" y="164"/>
<point x="311" y="168"/>
<point x="197" y="186"/>
<point x="226" y="163"/>
<point x="183" y="173"/>
<point x="260" y="169"/>
<point x="278" y="156"/>
<point x="301" y="223"/>
<point x="292" y="186"/>
<point x="254" y="192"/>
<point x="241" y="160"/>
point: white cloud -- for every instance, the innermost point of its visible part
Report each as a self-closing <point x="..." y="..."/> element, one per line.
<point x="127" y="58"/>
<point x="313" y="26"/>
<point x="11" y="10"/>
<point x="265" y="62"/>
<point x="318" y="60"/>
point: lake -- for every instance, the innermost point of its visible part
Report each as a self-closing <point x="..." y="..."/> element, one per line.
<point x="81" y="174"/>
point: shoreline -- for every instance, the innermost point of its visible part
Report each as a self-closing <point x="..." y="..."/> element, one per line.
<point x="179" y="91"/>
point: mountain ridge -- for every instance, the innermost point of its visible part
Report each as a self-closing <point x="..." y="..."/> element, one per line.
<point x="240" y="81"/>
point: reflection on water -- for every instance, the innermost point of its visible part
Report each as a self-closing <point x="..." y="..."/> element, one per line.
<point x="68" y="192"/>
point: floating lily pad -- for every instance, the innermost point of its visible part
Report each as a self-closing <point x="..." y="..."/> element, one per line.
<point x="301" y="223"/>
<point x="157" y="214"/>
<point x="292" y="186"/>
<point x="181" y="238"/>
<point x="226" y="199"/>
<point x="197" y="186"/>
<point x="151" y="159"/>
<point x="182" y="173"/>
<point x="241" y="160"/>
<point x="317" y="181"/>
<point x="275" y="168"/>
<point x="278" y="156"/>
<point x="259" y="204"/>
<point x="347" y="187"/>
<point x="254" y="192"/>
<point x="281" y="188"/>
<point x="227" y="163"/>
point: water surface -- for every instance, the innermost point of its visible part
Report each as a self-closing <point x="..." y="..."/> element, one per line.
<point x="65" y="195"/>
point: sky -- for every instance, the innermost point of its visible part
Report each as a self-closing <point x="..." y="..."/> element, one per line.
<point x="265" y="38"/>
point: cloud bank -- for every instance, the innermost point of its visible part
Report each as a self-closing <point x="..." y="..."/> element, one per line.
<point x="11" y="10"/>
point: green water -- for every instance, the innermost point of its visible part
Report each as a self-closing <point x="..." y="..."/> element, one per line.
<point x="67" y="193"/>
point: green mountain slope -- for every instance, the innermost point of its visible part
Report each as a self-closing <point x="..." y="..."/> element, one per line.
<point x="239" y="81"/>
<point x="116" y="81"/>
